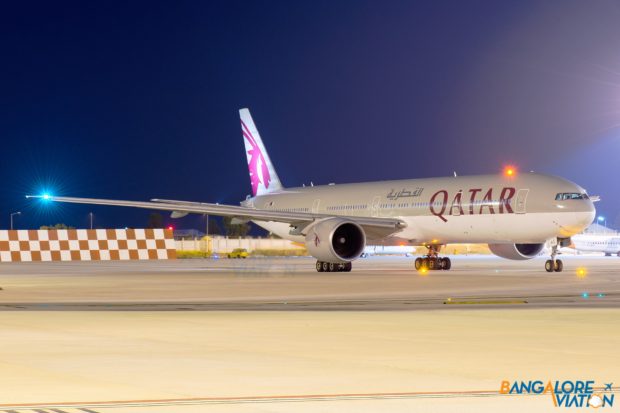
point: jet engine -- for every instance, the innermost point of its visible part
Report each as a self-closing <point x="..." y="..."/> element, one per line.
<point x="516" y="251"/>
<point x="335" y="240"/>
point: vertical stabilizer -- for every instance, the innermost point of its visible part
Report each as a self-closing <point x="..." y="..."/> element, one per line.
<point x="263" y="176"/>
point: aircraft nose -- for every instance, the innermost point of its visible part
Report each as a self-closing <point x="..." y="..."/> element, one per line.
<point x="579" y="217"/>
<point x="584" y="219"/>
<point x="592" y="208"/>
<point x="592" y="212"/>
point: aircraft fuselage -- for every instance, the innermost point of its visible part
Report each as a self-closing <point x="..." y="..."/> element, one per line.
<point x="468" y="209"/>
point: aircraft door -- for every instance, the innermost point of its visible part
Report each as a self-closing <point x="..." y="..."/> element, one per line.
<point x="521" y="201"/>
<point x="315" y="206"/>
<point x="374" y="206"/>
<point x="455" y="210"/>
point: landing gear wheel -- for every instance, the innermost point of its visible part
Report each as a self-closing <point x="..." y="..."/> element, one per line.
<point x="553" y="264"/>
<point x="332" y="267"/>
<point x="549" y="267"/>
<point x="432" y="261"/>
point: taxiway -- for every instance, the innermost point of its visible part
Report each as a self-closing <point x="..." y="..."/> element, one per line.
<point x="376" y="283"/>
<point x="272" y="335"/>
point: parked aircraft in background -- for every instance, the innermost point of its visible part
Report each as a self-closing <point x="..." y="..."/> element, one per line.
<point x="609" y="244"/>
<point x="515" y="214"/>
<point x="406" y="250"/>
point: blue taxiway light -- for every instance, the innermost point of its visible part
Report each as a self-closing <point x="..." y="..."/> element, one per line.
<point x="585" y="295"/>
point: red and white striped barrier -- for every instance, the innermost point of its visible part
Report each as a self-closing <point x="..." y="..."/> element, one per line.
<point x="86" y="245"/>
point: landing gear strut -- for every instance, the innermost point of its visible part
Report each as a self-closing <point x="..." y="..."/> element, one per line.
<point x="432" y="261"/>
<point x="322" y="266"/>
<point x="553" y="264"/>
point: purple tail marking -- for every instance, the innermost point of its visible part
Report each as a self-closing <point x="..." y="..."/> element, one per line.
<point x="255" y="154"/>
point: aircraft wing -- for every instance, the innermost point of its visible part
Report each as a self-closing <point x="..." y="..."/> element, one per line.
<point x="374" y="226"/>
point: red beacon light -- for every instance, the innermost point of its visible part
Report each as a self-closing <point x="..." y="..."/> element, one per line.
<point x="170" y="228"/>
<point x="510" y="171"/>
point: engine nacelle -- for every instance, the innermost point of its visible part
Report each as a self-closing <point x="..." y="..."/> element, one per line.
<point x="335" y="240"/>
<point x="516" y="251"/>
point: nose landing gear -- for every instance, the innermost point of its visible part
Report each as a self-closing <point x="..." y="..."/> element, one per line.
<point x="432" y="261"/>
<point x="553" y="264"/>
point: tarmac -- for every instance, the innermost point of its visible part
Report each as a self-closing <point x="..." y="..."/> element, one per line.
<point x="273" y="335"/>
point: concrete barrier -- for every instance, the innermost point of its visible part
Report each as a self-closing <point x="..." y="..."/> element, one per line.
<point x="86" y="245"/>
<point x="222" y="245"/>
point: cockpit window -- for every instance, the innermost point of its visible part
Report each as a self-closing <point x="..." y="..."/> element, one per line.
<point x="568" y="195"/>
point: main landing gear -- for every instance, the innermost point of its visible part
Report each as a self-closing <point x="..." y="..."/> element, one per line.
<point x="553" y="264"/>
<point x="333" y="267"/>
<point x="432" y="261"/>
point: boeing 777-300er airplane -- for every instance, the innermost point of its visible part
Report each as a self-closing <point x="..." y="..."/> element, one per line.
<point x="515" y="214"/>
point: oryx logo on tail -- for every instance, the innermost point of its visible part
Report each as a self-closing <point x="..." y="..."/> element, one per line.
<point x="263" y="176"/>
<point x="256" y="162"/>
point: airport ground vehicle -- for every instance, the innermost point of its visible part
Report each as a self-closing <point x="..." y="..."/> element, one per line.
<point x="238" y="253"/>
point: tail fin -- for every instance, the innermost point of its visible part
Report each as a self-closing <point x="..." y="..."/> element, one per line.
<point x="263" y="175"/>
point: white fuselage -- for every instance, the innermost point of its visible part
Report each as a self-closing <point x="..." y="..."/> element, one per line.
<point x="472" y="209"/>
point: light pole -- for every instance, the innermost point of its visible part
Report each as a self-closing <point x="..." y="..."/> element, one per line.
<point x="207" y="239"/>
<point x="12" y="214"/>
<point x="90" y="214"/>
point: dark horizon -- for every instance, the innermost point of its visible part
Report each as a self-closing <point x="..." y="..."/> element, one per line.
<point x="140" y="100"/>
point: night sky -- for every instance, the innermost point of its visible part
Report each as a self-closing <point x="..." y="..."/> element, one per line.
<point x="136" y="100"/>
